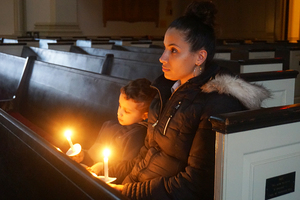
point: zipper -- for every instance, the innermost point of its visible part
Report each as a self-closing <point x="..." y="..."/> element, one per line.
<point x="161" y="104"/>
<point x="170" y="117"/>
<point x="160" y="110"/>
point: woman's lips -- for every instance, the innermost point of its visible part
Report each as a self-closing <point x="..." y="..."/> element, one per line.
<point x="165" y="69"/>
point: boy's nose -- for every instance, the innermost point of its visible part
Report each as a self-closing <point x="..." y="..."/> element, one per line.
<point x="120" y="113"/>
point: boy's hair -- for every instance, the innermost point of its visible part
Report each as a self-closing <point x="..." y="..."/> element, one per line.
<point x="139" y="91"/>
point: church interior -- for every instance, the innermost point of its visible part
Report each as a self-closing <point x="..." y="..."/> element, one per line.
<point x="63" y="63"/>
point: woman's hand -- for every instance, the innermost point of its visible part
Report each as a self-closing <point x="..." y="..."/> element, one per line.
<point x="116" y="186"/>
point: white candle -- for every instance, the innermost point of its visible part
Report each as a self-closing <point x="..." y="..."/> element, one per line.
<point x="106" y="154"/>
<point x="68" y="136"/>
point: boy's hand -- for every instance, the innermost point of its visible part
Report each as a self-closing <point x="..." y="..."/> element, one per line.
<point x="116" y="186"/>
<point x="78" y="158"/>
<point x="96" y="168"/>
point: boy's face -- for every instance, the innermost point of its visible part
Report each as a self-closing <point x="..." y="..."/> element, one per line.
<point x="128" y="111"/>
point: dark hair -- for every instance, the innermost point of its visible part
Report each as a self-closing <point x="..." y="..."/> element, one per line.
<point x="198" y="26"/>
<point x="140" y="91"/>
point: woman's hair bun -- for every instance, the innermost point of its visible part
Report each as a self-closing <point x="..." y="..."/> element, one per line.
<point x="205" y="11"/>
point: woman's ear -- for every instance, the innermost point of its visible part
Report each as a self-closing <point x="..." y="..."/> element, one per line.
<point x="201" y="57"/>
<point x="145" y="116"/>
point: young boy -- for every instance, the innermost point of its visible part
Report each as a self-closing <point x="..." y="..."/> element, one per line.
<point x="126" y="136"/>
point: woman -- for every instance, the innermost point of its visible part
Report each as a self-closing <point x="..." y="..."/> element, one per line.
<point x="177" y="159"/>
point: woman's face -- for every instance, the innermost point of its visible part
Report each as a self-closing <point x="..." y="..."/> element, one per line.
<point x="178" y="63"/>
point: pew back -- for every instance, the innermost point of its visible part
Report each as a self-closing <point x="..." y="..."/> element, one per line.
<point x="258" y="154"/>
<point x="55" y="98"/>
<point x="32" y="168"/>
<point x="137" y="56"/>
<point x="12" y="48"/>
<point x="140" y="49"/>
<point x="79" y="61"/>
<point x="253" y="65"/>
<point x="11" y="72"/>
<point x="130" y="69"/>
<point x="281" y="84"/>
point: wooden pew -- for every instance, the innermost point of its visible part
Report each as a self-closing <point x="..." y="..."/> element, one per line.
<point x="130" y="69"/>
<point x="258" y="154"/>
<point x="223" y="54"/>
<point x="78" y="61"/>
<point x="252" y="65"/>
<point x="32" y="168"/>
<point x="291" y="56"/>
<point x="52" y="98"/>
<point x="281" y="84"/>
<point x="249" y="51"/>
<point x="60" y="46"/>
<point x="95" y="43"/>
<point x="139" y="49"/>
<point x="108" y="65"/>
<point x="12" y="48"/>
<point x="137" y="56"/>
<point x="11" y="72"/>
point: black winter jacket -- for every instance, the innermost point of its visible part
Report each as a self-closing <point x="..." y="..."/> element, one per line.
<point x="177" y="160"/>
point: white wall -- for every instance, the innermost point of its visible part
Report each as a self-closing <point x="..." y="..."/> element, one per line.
<point x="91" y="21"/>
<point x="245" y="19"/>
<point x="7" y="17"/>
<point x="37" y="11"/>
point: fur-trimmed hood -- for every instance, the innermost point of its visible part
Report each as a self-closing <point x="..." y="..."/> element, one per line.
<point x="250" y="95"/>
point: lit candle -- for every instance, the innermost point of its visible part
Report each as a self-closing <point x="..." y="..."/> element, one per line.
<point x="106" y="153"/>
<point x="68" y="134"/>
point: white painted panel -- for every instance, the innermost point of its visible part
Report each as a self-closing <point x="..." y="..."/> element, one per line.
<point x="261" y="67"/>
<point x="282" y="92"/>
<point x="62" y="47"/>
<point x="84" y="43"/>
<point x="295" y="65"/>
<point x="223" y="56"/>
<point x="140" y="45"/>
<point x="102" y="46"/>
<point x="244" y="161"/>
<point x="13" y="49"/>
<point x="261" y="54"/>
<point x="44" y="43"/>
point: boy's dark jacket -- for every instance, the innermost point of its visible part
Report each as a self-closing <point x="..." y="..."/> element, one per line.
<point x="177" y="160"/>
<point x="123" y="141"/>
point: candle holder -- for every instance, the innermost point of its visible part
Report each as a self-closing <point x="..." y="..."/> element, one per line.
<point x="104" y="178"/>
<point x="74" y="150"/>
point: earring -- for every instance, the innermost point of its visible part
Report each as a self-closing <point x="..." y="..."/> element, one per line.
<point x="198" y="66"/>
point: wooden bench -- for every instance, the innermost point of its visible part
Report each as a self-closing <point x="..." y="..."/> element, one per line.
<point x="139" y="49"/>
<point x="127" y="55"/>
<point x="130" y="69"/>
<point x="258" y="154"/>
<point x="52" y="98"/>
<point x="12" y="48"/>
<point x="252" y="65"/>
<point x="11" y="72"/>
<point x="280" y="83"/>
<point x="223" y="54"/>
<point x="108" y="65"/>
<point x="32" y="168"/>
<point x="78" y="61"/>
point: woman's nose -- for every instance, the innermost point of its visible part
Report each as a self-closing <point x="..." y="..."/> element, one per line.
<point x="163" y="58"/>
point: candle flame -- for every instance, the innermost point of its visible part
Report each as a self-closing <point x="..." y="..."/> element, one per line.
<point x="106" y="152"/>
<point x="68" y="134"/>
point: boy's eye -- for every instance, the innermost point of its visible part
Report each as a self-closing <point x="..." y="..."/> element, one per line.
<point x="126" y="112"/>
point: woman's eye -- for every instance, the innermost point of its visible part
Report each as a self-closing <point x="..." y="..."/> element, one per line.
<point x="173" y="50"/>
